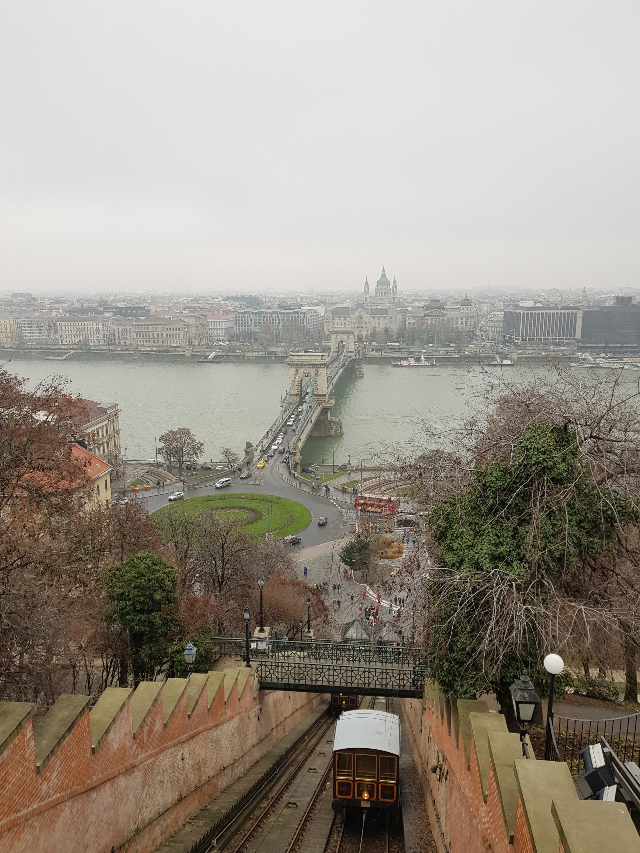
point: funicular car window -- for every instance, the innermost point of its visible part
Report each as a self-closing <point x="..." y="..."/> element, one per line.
<point x="365" y="767"/>
<point x="344" y="765"/>
<point x="387" y="768"/>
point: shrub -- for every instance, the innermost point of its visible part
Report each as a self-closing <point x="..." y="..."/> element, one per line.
<point x="596" y="688"/>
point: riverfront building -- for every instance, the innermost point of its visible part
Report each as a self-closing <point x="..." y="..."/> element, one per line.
<point x="599" y="327"/>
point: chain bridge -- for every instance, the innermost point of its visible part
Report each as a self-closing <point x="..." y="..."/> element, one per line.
<point x="318" y="667"/>
<point x="312" y="377"/>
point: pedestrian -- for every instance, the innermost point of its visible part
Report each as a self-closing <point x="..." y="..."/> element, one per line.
<point x="379" y="639"/>
<point x="360" y="608"/>
<point x="391" y="608"/>
<point x="305" y="571"/>
<point x="395" y="599"/>
<point x="334" y="587"/>
<point x="352" y="598"/>
<point x="363" y="593"/>
<point x="338" y="604"/>
<point x="338" y="587"/>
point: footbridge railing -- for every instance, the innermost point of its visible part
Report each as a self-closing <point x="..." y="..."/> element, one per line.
<point x="336" y="653"/>
<point x="311" y="677"/>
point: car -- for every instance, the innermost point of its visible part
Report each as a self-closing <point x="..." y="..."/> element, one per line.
<point x="261" y="464"/>
<point x="322" y="521"/>
<point x="245" y="475"/>
<point x="291" y="540"/>
<point x="206" y="468"/>
<point x="271" y="454"/>
<point x="221" y="484"/>
<point x="307" y="470"/>
<point x="120" y="501"/>
<point x="290" y="422"/>
<point x="177" y="496"/>
<point x="343" y="467"/>
<point x="281" y="450"/>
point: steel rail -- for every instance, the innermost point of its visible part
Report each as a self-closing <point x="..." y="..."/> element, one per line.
<point x="274" y="795"/>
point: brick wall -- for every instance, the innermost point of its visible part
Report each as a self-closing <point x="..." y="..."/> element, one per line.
<point x="482" y="795"/>
<point x="127" y="773"/>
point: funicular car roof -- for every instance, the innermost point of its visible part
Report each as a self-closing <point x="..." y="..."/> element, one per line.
<point x="368" y="730"/>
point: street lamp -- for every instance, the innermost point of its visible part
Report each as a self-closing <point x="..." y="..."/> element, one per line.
<point x="308" y="615"/>
<point x="554" y="666"/>
<point x="189" y="657"/>
<point x="246" y="613"/>
<point x="261" y="584"/>
<point x="300" y="624"/>
<point x="525" y="701"/>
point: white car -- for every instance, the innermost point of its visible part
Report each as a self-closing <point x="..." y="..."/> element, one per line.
<point x="177" y="496"/>
<point x="225" y="481"/>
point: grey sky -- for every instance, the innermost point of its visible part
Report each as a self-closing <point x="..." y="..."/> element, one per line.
<point x="248" y="145"/>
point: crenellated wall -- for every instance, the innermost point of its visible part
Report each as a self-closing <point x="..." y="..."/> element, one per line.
<point x="125" y="774"/>
<point x="482" y="795"/>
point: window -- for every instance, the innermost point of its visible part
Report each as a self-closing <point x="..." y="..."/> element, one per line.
<point x="387" y="768"/>
<point x="365" y="767"/>
<point x="344" y="765"/>
<point x="98" y="490"/>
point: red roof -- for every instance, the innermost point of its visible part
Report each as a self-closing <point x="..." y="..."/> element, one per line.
<point x="94" y="466"/>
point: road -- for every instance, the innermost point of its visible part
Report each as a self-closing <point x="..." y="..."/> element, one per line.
<point x="273" y="479"/>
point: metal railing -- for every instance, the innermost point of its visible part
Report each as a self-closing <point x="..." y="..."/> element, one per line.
<point x="312" y="677"/>
<point x="571" y="735"/>
<point x="334" y="653"/>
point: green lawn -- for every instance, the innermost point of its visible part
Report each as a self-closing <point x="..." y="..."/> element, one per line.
<point x="278" y="515"/>
<point x="324" y="477"/>
<point x="351" y="483"/>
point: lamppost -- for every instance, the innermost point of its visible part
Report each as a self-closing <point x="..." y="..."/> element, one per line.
<point x="300" y="624"/>
<point x="261" y="584"/>
<point x="308" y="615"/>
<point x="525" y="701"/>
<point x="189" y="657"/>
<point x="155" y="441"/>
<point x="246" y="613"/>
<point x="554" y="666"/>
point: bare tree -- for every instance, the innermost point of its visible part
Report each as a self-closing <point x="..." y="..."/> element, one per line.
<point x="565" y="587"/>
<point x="179" y="447"/>
<point x="230" y="457"/>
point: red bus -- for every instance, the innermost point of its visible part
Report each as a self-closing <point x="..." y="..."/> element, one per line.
<point x="383" y="504"/>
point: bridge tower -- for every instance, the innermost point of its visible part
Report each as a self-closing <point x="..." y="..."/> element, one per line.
<point x="346" y="337"/>
<point x="307" y="364"/>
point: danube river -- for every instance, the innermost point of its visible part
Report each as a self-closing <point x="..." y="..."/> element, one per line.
<point x="229" y="404"/>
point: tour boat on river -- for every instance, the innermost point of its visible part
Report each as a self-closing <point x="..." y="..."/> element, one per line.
<point x="414" y="362"/>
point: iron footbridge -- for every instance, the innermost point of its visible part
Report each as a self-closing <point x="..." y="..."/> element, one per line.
<point x="315" y="667"/>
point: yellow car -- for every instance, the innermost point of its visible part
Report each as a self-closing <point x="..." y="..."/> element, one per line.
<point x="260" y="464"/>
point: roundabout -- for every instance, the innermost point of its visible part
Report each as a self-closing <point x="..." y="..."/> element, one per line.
<point x="261" y="514"/>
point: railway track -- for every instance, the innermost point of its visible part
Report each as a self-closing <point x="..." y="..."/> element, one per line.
<point x="272" y="820"/>
<point x="242" y="826"/>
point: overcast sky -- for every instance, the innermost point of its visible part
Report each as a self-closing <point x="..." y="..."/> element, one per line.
<point x="292" y="145"/>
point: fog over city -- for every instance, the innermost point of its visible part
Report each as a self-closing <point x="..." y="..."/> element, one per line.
<point x="292" y="147"/>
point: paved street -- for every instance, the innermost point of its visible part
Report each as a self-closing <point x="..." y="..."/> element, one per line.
<point x="274" y="479"/>
<point x="320" y="547"/>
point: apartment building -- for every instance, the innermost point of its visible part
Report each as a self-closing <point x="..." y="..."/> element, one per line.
<point x="9" y="330"/>
<point x="83" y="330"/>
<point x="101" y="432"/>
<point x="220" y="327"/>
<point x="160" y="332"/>
<point x="38" y="330"/>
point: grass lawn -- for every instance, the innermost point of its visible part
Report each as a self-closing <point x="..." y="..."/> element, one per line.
<point x="404" y="490"/>
<point x="263" y="512"/>
<point x="324" y="477"/>
<point x="351" y="483"/>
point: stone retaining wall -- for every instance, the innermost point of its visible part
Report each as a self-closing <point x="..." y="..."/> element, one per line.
<point x="482" y="795"/>
<point x="125" y="774"/>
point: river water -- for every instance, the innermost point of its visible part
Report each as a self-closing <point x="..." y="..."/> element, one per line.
<point x="229" y="404"/>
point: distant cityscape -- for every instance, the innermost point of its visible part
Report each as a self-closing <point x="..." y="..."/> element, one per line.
<point x="378" y="314"/>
